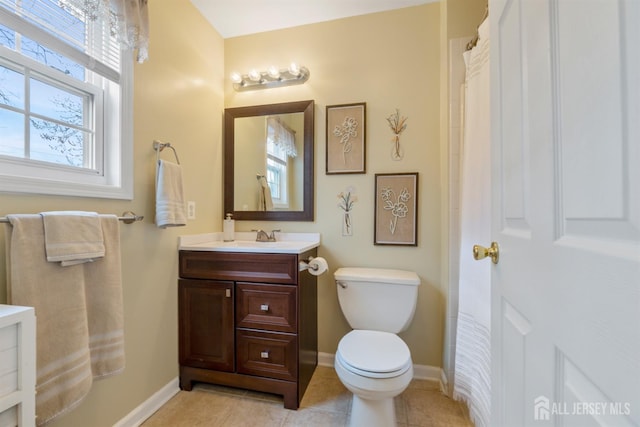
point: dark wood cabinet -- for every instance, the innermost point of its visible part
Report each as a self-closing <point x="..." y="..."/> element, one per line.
<point x="205" y="319"/>
<point x="248" y="320"/>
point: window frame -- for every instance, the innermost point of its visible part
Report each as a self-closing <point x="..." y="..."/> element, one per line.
<point x="282" y="163"/>
<point x="113" y="121"/>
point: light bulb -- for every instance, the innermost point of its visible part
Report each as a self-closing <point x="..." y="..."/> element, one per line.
<point x="294" y="69"/>
<point x="254" y="75"/>
<point x="273" y="72"/>
<point x="236" y="77"/>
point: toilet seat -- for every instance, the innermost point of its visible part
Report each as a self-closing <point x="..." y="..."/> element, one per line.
<point x="374" y="354"/>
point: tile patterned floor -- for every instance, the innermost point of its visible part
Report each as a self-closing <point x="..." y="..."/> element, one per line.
<point x="326" y="403"/>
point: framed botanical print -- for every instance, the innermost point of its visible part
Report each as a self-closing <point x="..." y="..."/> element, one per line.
<point x="396" y="209"/>
<point x="346" y="138"/>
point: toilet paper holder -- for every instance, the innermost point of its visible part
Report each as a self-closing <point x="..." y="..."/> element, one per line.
<point x="304" y="265"/>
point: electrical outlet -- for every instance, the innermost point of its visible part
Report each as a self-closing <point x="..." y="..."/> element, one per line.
<point x="191" y="210"/>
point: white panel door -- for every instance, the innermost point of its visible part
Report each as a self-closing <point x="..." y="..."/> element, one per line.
<point x="566" y="212"/>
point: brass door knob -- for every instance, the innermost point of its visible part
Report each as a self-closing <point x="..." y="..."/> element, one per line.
<point x="480" y="252"/>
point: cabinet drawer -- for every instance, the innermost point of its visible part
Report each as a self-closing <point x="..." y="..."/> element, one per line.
<point x="271" y="307"/>
<point x="253" y="267"/>
<point x="267" y="354"/>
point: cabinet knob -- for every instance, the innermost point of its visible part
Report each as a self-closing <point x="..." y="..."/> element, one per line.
<point x="264" y="307"/>
<point x="264" y="354"/>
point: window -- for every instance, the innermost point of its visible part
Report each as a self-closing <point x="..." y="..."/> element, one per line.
<point x="277" y="174"/>
<point x="280" y="146"/>
<point x="65" y="103"/>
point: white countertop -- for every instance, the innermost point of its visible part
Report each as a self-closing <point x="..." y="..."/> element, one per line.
<point x="286" y="243"/>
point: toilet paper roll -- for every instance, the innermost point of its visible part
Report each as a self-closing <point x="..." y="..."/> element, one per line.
<point x="318" y="265"/>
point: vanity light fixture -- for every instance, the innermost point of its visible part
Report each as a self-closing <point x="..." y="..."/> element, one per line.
<point x="273" y="77"/>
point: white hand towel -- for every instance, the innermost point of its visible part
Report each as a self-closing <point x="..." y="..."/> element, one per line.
<point x="169" y="195"/>
<point x="72" y="237"/>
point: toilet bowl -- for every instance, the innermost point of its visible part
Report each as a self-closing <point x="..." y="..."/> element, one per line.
<point x="374" y="363"/>
<point x="375" y="366"/>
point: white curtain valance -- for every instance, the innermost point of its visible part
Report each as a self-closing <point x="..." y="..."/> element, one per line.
<point x="128" y="21"/>
<point x="282" y="136"/>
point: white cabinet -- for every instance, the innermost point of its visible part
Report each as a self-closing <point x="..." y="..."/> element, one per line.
<point x="17" y="366"/>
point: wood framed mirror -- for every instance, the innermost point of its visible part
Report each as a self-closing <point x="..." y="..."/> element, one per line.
<point x="268" y="162"/>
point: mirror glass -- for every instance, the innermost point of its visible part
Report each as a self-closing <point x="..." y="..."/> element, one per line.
<point x="269" y="162"/>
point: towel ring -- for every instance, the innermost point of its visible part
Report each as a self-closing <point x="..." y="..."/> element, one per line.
<point x="159" y="146"/>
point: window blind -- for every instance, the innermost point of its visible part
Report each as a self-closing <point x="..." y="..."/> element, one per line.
<point x="86" y="42"/>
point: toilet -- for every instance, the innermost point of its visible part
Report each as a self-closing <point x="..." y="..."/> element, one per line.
<point x="372" y="361"/>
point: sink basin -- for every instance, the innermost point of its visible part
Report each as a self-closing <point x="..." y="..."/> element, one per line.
<point x="287" y="243"/>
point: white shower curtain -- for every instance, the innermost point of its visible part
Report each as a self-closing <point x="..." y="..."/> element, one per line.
<point x="472" y="378"/>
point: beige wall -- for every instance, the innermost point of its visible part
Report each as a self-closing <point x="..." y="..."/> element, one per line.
<point x="388" y="60"/>
<point x="178" y="98"/>
<point x="252" y="135"/>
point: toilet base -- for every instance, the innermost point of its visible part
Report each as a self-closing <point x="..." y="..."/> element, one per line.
<point x="372" y="413"/>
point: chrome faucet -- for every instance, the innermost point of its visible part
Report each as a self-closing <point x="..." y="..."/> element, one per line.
<point x="262" y="236"/>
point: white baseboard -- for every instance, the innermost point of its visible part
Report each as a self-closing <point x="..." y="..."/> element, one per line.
<point x="149" y="406"/>
<point x="325" y="359"/>
<point x="420" y="372"/>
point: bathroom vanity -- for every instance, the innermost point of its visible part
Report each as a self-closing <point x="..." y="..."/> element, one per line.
<point x="248" y="313"/>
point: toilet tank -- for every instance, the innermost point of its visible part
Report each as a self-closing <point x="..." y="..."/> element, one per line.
<point x="377" y="299"/>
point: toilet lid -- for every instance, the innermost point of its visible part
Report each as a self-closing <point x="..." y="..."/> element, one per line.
<point x="374" y="352"/>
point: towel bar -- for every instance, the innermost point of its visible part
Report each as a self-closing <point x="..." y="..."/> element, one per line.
<point x="159" y="146"/>
<point x="127" y="217"/>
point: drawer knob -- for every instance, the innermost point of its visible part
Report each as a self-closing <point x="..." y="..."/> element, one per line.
<point x="264" y="307"/>
<point x="264" y="354"/>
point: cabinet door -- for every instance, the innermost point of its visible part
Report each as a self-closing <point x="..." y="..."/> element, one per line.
<point x="206" y="331"/>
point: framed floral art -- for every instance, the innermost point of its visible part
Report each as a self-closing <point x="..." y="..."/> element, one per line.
<point x="396" y="209"/>
<point x="346" y="138"/>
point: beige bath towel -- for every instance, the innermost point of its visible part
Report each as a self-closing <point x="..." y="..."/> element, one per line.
<point x="169" y="195"/>
<point x="265" y="202"/>
<point x="103" y="292"/>
<point x="79" y="321"/>
<point x="72" y="237"/>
